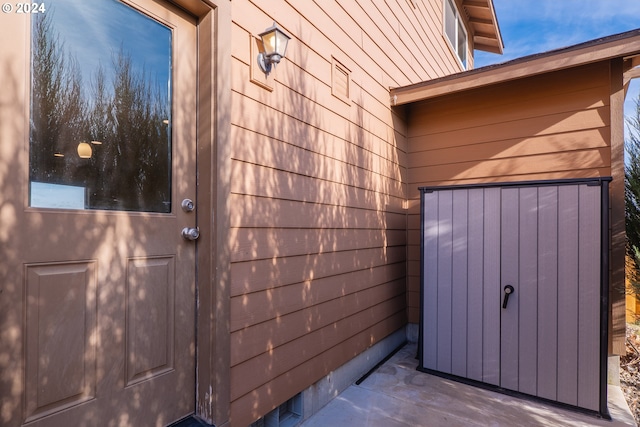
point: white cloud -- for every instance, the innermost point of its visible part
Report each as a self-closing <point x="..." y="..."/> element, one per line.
<point x="530" y="27"/>
<point x="536" y="26"/>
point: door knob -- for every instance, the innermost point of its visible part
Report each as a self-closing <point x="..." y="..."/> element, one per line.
<point x="508" y="290"/>
<point x="190" y="233"/>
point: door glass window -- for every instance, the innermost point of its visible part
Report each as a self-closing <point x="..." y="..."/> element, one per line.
<point x="100" y="125"/>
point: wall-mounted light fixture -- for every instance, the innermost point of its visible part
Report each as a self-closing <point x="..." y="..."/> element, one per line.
<point x="275" y="43"/>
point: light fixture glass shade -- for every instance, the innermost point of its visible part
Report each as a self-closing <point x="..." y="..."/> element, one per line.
<point x="275" y="43"/>
<point x="84" y="150"/>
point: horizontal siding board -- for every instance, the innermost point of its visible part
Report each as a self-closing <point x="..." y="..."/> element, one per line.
<point x="255" y="308"/>
<point x="318" y="218"/>
<point x="413" y="286"/>
<point x="240" y="47"/>
<point x="562" y="122"/>
<point x="258" y="275"/>
<point x="440" y="119"/>
<point x="404" y="36"/>
<point x="252" y="405"/>
<point x="413" y="269"/>
<point x="257" y="371"/>
<point x="265" y="182"/>
<point x="265" y="336"/>
<point x="567" y="90"/>
<point x="245" y="112"/>
<point x="504" y="149"/>
<point x="262" y="129"/>
<point x="413" y="238"/>
<point x="255" y="180"/>
<point x="375" y="39"/>
<point x="413" y="295"/>
<point x="248" y="211"/>
<point x="540" y="164"/>
<point x="413" y="315"/>
<point x="254" y="20"/>
<point x="417" y="32"/>
<point x="268" y="243"/>
<point x="413" y="220"/>
<point x="322" y="33"/>
<point x="305" y="93"/>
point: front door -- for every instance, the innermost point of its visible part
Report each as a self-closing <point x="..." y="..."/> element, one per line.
<point x="98" y="153"/>
<point x="512" y="288"/>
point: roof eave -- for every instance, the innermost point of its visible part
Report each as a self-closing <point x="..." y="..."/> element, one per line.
<point x="619" y="45"/>
<point x="484" y="22"/>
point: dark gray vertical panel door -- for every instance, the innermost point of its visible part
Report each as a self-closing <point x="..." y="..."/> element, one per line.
<point x="544" y="241"/>
<point x="461" y="289"/>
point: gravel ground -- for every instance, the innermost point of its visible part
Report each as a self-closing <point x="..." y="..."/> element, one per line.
<point x="630" y="371"/>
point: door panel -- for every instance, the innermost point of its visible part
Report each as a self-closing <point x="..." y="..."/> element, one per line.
<point x="475" y="263"/>
<point x="462" y="283"/>
<point x="459" y="280"/>
<point x="430" y="274"/>
<point x="510" y="263"/>
<point x="491" y="287"/>
<point x="60" y="323"/>
<point x="545" y="242"/>
<point x="568" y="233"/>
<point x="98" y="286"/>
<point x="445" y="252"/>
<point x="548" y="292"/>
<point x="588" y="296"/>
<point x="150" y="319"/>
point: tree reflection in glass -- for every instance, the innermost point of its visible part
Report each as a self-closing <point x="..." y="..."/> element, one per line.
<point x="100" y="108"/>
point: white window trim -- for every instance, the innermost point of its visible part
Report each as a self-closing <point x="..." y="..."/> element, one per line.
<point x="459" y="23"/>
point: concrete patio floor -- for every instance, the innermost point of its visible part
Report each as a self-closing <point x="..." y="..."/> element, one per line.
<point x="397" y="395"/>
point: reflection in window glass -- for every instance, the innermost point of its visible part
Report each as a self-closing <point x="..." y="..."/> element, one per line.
<point x="450" y="21"/>
<point x="455" y="32"/>
<point x="462" y="44"/>
<point x="100" y="108"/>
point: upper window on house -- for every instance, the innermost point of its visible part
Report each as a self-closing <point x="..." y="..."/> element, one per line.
<point x="455" y="32"/>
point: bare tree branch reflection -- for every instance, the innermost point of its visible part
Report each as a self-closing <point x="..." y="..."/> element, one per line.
<point x="125" y="121"/>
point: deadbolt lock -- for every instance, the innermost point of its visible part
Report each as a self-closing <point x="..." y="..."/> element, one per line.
<point x="188" y="205"/>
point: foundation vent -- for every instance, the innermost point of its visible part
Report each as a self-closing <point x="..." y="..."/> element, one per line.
<point x="289" y="414"/>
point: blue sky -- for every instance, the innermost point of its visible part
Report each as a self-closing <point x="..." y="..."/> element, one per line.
<point x="93" y="31"/>
<point x="535" y="26"/>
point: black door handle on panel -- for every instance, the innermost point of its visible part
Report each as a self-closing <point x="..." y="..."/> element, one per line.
<point x="508" y="290"/>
